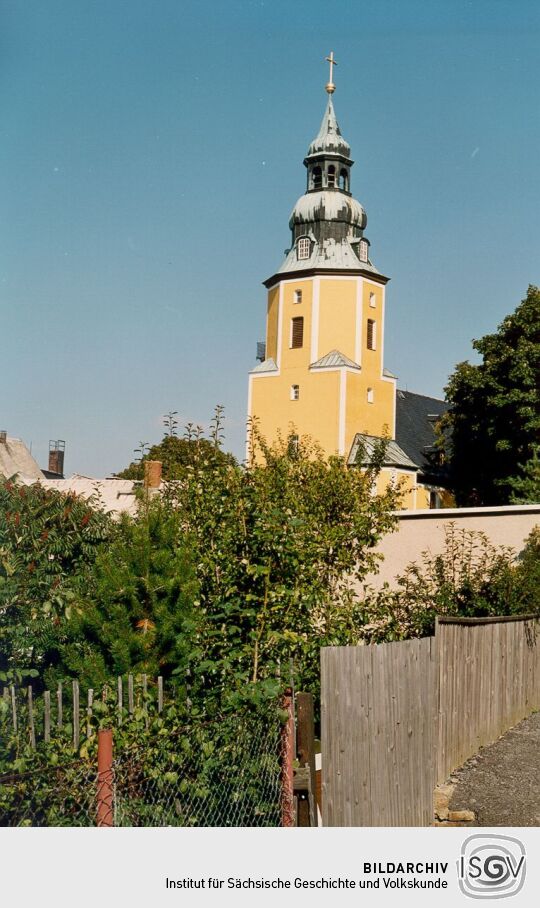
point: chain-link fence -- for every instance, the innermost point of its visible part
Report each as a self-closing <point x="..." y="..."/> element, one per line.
<point x="222" y="773"/>
<point x="217" y="780"/>
<point x="50" y="796"/>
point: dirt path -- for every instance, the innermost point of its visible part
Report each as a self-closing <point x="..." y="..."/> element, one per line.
<point x="501" y="784"/>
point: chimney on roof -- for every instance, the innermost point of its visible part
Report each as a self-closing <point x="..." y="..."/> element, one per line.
<point x="3" y="437"/>
<point x="57" y="450"/>
<point x="152" y="474"/>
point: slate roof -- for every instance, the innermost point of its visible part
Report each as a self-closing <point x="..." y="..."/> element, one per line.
<point x="331" y="254"/>
<point x="416" y="417"/>
<point x="329" y="138"/>
<point x="394" y="456"/>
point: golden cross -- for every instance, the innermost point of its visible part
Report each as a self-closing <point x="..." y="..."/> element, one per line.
<point x="330" y="87"/>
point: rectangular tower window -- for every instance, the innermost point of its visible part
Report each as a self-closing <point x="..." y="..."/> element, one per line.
<point x="298" y="296"/>
<point x="371" y="334"/>
<point x="372" y="300"/>
<point x="295" y="392"/>
<point x="293" y="444"/>
<point x="303" y="247"/>
<point x="297" y="332"/>
<point x="370" y="396"/>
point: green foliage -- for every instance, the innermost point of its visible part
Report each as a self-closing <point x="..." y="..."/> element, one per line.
<point x="470" y="578"/>
<point x="171" y="768"/>
<point x="48" y="542"/>
<point x="495" y="414"/>
<point x="176" y="454"/>
<point x="526" y="487"/>
<point x="221" y="580"/>
<point x="278" y="549"/>
<point x="527" y="588"/>
<point x="137" y="613"/>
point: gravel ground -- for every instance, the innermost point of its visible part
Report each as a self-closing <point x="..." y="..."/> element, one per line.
<point x="502" y="782"/>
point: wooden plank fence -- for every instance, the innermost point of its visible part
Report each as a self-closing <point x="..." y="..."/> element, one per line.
<point x="489" y="679"/>
<point x="378" y="725"/>
<point x="398" y="717"/>
<point x="42" y="721"/>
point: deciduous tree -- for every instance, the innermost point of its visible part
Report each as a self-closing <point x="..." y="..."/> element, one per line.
<point x="495" y="414"/>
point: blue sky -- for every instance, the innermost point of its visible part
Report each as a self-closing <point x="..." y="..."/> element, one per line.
<point x="150" y="154"/>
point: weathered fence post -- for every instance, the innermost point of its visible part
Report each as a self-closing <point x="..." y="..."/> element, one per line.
<point x="47" y="716"/>
<point x="120" y="698"/>
<point x="105" y="792"/>
<point x="31" y="726"/>
<point x="14" y="708"/>
<point x="305" y="749"/>
<point x="130" y="694"/>
<point x="89" y="712"/>
<point x="287" y="757"/>
<point x="76" y="717"/>
<point x="59" y="705"/>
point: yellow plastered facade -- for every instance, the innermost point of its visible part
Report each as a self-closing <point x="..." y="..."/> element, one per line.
<point x="335" y="402"/>
<point x="405" y="480"/>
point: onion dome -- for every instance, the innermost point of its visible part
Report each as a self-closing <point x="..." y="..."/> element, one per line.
<point x="328" y="206"/>
<point x="327" y="224"/>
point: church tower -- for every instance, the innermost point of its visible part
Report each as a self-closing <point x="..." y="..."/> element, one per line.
<point x="322" y="372"/>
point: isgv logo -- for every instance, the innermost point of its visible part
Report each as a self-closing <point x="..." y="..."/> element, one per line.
<point x="491" y="866"/>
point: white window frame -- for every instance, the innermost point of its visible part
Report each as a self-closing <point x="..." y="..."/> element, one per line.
<point x="370" y="396"/>
<point x="297" y="297"/>
<point x="363" y="251"/>
<point x="372" y="300"/>
<point x="295" y="392"/>
<point x="293" y="443"/>
<point x="303" y="250"/>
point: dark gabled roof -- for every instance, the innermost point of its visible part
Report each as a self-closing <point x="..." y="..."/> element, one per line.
<point x="394" y="456"/>
<point x="416" y="417"/>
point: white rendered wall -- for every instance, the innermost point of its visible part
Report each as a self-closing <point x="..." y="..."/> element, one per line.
<point x="420" y="531"/>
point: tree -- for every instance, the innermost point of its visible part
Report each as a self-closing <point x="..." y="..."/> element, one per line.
<point x="494" y="417"/>
<point x="221" y="580"/>
<point x="279" y="548"/>
<point x="177" y="453"/>
<point x="48" y="543"/>
<point x="526" y="488"/>
<point x="137" y="613"/>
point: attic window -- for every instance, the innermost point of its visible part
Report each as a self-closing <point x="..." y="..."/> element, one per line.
<point x="303" y="247"/>
<point x="371" y="334"/>
<point x="363" y="250"/>
<point x="297" y="332"/>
